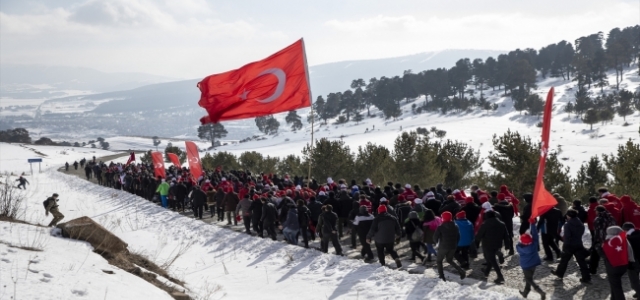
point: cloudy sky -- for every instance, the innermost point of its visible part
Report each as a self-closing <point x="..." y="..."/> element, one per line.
<point x="194" y="38"/>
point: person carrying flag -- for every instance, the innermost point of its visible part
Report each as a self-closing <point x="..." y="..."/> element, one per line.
<point x="618" y="254"/>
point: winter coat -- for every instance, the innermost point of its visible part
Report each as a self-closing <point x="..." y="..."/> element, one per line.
<point x="256" y="210"/>
<point x="269" y="212"/>
<point x="334" y="203"/>
<point x="315" y="209"/>
<point x="211" y="197"/>
<point x="634" y="240"/>
<point x="472" y="210"/>
<point x="363" y="224"/>
<point x="384" y="229"/>
<point x="163" y="189"/>
<point x="220" y="195"/>
<point x="410" y="227"/>
<point x="451" y="206"/>
<point x="230" y="201"/>
<point x="245" y="206"/>
<point x="447" y="235"/>
<point x="433" y="205"/>
<point x="582" y="214"/>
<point x="198" y="197"/>
<point x="615" y="212"/>
<point x="600" y="225"/>
<point x="529" y="257"/>
<point x="591" y="215"/>
<point x="549" y="222"/>
<point x="466" y="232"/>
<point x="524" y="218"/>
<point x="419" y="209"/>
<point x="303" y="216"/>
<point x="328" y="222"/>
<point x="562" y="205"/>
<point x="492" y="234"/>
<point x="402" y="211"/>
<point x="292" y="222"/>
<point x="505" y="209"/>
<point x="346" y="202"/>
<point x="573" y="231"/>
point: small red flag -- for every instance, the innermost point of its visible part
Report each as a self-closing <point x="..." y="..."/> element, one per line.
<point x="158" y="164"/>
<point x="615" y="249"/>
<point x="174" y="159"/>
<point x="132" y="158"/>
<point x="542" y="199"/>
<point x="195" y="168"/>
<point x="275" y="84"/>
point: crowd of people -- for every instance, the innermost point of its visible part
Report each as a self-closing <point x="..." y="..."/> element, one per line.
<point x="439" y="222"/>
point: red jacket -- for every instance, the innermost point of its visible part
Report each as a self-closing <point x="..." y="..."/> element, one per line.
<point x="511" y="198"/>
<point x="612" y="199"/>
<point x="409" y="195"/>
<point x="367" y="203"/>
<point x="615" y="213"/>
<point x="630" y="211"/>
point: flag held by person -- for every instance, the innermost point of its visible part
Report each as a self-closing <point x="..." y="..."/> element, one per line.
<point x="542" y="199"/>
<point x="158" y="164"/>
<point x="616" y="249"/>
<point x="174" y="159"/>
<point x="132" y="158"/>
<point x="275" y="84"/>
<point x="195" y="168"/>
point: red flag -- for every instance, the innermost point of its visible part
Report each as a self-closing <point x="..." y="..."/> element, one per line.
<point x="615" y="249"/>
<point x="275" y="84"/>
<point x="174" y="159"/>
<point x="542" y="199"/>
<point x="132" y="158"/>
<point x="158" y="164"/>
<point x="194" y="159"/>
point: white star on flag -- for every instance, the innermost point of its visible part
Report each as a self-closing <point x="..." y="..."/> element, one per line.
<point x="618" y="248"/>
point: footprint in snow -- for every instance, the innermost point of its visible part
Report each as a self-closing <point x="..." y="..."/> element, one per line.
<point x="5" y="260"/>
<point x="47" y="275"/>
<point x="79" y="293"/>
<point x="11" y="250"/>
<point x="45" y="279"/>
<point x="33" y="271"/>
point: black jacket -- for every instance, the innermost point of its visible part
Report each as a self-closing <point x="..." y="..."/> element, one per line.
<point x="345" y="205"/>
<point x="582" y="213"/>
<point x="363" y="227"/>
<point x="334" y="203"/>
<point x="524" y="218"/>
<point x="402" y="211"/>
<point x="551" y="221"/>
<point x="573" y="231"/>
<point x="315" y="209"/>
<point x="451" y="206"/>
<point x="256" y="209"/>
<point x="634" y="240"/>
<point x="384" y="229"/>
<point x="505" y="209"/>
<point x="269" y="212"/>
<point x="329" y="223"/>
<point x="433" y="205"/>
<point x="303" y="216"/>
<point x="448" y="235"/>
<point x="180" y="191"/>
<point x="492" y="234"/>
<point x="473" y="211"/>
<point x="198" y="197"/>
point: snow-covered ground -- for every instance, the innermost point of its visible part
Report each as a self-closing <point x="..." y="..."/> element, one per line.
<point x="476" y="128"/>
<point x="213" y="262"/>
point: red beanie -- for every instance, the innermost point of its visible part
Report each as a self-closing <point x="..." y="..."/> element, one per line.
<point x="382" y="209"/>
<point x="625" y="199"/>
<point x="461" y="215"/>
<point x="484" y="198"/>
<point x="526" y="239"/>
<point x="501" y="196"/>
<point x="468" y="200"/>
<point x="446" y="216"/>
<point x="503" y="188"/>
<point x="400" y="198"/>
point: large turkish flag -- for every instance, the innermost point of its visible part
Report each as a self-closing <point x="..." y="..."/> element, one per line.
<point x="542" y="199"/>
<point x="195" y="167"/>
<point x="275" y="84"/>
<point x="158" y="164"/>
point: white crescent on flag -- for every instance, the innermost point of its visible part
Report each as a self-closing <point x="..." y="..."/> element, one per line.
<point x="282" y="81"/>
<point x="613" y="238"/>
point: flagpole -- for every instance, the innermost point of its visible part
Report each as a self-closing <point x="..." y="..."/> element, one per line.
<point x="306" y="68"/>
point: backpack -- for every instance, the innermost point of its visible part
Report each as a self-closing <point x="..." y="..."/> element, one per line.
<point x="46" y="203"/>
<point x="417" y="235"/>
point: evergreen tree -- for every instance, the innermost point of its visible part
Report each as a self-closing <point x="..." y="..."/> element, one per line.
<point x="591" y="176"/>
<point x="415" y="160"/>
<point x="460" y="75"/>
<point x="623" y="167"/>
<point x="293" y="119"/>
<point x="625" y="108"/>
<point x="605" y="115"/>
<point x="583" y="102"/>
<point x="618" y="52"/>
<point x="569" y="108"/>
<point x="251" y="161"/>
<point x="211" y="132"/>
<point x="515" y="161"/>
<point x="291" y="164"/>
<point x="223" y="159"/>
<point x="535" y="105"/>
<point x="358" y="83"/>
<point x="358" y="117"/>
<point x="319" y="108"/>
<point x="329" y="159"/>
<point x="458" y="161"/>
<point x="591" y="117"/>
<point x="374" y="162"/>
<point x="268" y="124"/>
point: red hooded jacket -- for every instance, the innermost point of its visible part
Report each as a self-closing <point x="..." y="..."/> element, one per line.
<point x="630" y="211"/>
<point x="591" y="215"/>
<point x="511" y="198"/>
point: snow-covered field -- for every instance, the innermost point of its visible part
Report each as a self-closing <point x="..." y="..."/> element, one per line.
<point x="214" y="262"/>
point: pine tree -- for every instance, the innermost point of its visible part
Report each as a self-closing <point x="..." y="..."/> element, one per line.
<point x="625" y="108"/>
<point x="319" y="108"/>
<point x="569" y="108"/>
<point x="211" y="132"/>
<point x="623" y="168"/>
<point x="267" y="124"/>
<point x="358" y="117"/>
<point x="374" y="162"/>
<point x="414" y="160"/>
<point x="293" y="119"/>
<point x="329" y="159"/>
<point x="591" y="117"/>
<point x="535" y="105"/>
<point x="591" y="176"/>
<point x="583" y="102"/>
<point x="251" y="161"/>
<point x="515" y="161"/>
<point x="291" y="164"/>
<point x="605" y="115"/>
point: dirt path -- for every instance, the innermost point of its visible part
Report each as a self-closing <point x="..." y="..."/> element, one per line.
<point x="569" y="288"/>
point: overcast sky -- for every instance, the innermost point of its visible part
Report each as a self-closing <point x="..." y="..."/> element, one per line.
<point x="194" y="38"/>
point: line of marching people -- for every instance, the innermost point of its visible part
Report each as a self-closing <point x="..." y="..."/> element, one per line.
<point x="445" y="224"/>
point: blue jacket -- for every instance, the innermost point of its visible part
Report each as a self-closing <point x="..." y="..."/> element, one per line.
<point x="529" y="257"/>
<point x="466" y="232"/>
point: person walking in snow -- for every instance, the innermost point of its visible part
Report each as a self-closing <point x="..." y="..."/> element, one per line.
<point x="328" y="227"/>
<point x="268" y="218"/>
<point x="163" y="190"/>
<point x="75" y="165"/>
<point x="466" y="239"/>
<point x="572" y="246"/>
<point x="363" y="222"/>
<point x="230" y="203"/>
<point x="448" y="236"/>
<point x="22" y="182"/>
<point x="66" y="166"/>
<point x="198" y="200"/>
<point x="245" y="206"/>
<point x="51" y="206"/>
<point x="413" y="228"/>
<point x="291" y="225"/>
<point x="529" y="259"/>
<point x="491" y="235"/>
<point x="384" y="230"/>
